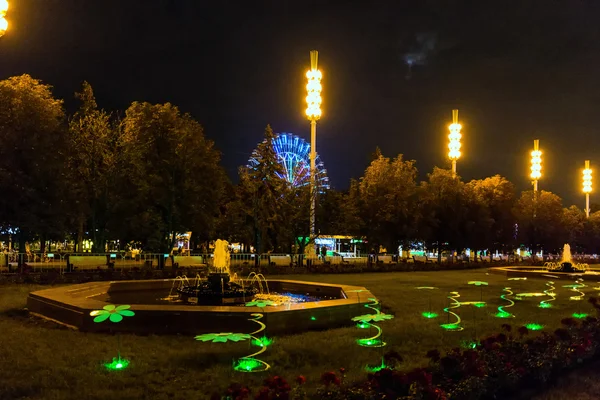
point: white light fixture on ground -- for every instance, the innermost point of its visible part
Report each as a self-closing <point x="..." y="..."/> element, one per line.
<point x="454" y="141"/>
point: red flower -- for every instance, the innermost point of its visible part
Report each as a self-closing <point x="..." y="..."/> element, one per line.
<point x="342" y="371"/>
<point x="328" y="378"/>
<point x="300" y="380"/>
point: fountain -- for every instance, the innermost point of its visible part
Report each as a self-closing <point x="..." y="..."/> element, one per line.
<point x="566" y="264"/>
<point x="219" y="288"/>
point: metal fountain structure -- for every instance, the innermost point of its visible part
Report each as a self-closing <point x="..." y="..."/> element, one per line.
<point x="566" y="264"/>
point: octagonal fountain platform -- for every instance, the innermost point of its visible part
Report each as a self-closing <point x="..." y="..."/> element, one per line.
<point x="329" y="306"/>
<point x="543" y="272"/>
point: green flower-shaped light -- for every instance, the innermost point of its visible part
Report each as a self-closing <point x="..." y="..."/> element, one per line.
<point x="112" y="312"/>
<point x="373" y="317"/>
<point x="261" y="303"/>
<point x="478" y="283"/>
<point x="222" y="337"/>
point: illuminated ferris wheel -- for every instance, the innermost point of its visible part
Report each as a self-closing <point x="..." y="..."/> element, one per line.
<point x="294" y="155"/>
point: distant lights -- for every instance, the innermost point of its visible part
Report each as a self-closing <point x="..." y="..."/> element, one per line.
<point x="536" y="161"/>
<point x="587" y="178"/>
<point x="313" y="99"/>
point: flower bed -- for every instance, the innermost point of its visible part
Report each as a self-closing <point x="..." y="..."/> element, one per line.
<point x="500" y="366"/>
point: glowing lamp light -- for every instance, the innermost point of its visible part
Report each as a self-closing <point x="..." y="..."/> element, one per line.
<point x="587" y="180"/>
<point x="313" y="98"/>
<point x="454" y="144"/>
<point x="536" y="162"/>
<point x="3" y="21"/>
<point x="534" y="327"/>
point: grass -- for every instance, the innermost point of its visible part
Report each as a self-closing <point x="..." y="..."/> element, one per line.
<point x="40" y="360"/>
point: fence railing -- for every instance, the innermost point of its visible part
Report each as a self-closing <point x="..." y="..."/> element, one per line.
<point x="68" y="262"/>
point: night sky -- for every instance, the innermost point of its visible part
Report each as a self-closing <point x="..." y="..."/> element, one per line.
<point x="516" y="70"/>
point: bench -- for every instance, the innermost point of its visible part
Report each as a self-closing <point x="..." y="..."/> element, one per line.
<point x="87" y="262"/>
<point x="356" y="260"/>
<point x="385" y="259"/>
<point x="334" y="260"/>
<point x="189" y="261"/>
<point x="281" y="261"/>
<point x="421" y="259"/>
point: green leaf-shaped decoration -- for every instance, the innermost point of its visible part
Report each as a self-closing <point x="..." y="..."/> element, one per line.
<point x="373" y="317"/>
<point x="113" y="313"/>
<point x="223" y="337"/>
<point x="261" y="303"/>
<point x="478" y="283"/>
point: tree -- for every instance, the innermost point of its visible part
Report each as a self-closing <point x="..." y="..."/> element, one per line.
<point x="32" y="175"/>
<point x="496" y="226"/>
<point x="386" y="193"/>
<point x="172" y="181"/>
<point x="539" y="217"/>
<point x="573" y="226"/>
<point x="92" y="161"/>
<point x="443" y="210"/>
<point x="262" y="190"/>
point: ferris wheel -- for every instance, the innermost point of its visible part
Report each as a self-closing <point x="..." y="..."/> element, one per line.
<point x="293" y="154"/>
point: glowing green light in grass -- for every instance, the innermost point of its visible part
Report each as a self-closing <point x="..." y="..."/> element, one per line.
<point x="362" y="325"/>
<point x="428" y="314"/>
<point x="575" y="287"/>
<point x="378" y="368"/>
<point x="223" y="337"/>
<point x="550" y="293"/>
<point x="517" y="279"/>
<point x="478" y="283"/>
<point x="534" y="327"/>
<point x="313" y="318"/>
<point x="469" y="344"/>
<point x="112" y="313"/>
<point x="502" y="313"/>
<point x="249" y="365"/>
<point x="374" y="341"/>
<point x="263" y="341"/>
<point x="579" y="315"/>
<point x="117" y="364"/>
<point x="454" y="326"/>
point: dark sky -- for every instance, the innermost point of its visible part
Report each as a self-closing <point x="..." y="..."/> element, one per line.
<point x="517" y="70"/>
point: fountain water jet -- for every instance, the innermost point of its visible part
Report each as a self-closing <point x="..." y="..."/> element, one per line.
<point x="566" y="264"/>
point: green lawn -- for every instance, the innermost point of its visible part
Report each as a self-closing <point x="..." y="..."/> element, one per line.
<point x="39" y="360"/>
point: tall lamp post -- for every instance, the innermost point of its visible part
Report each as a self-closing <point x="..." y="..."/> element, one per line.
<point x="587" y="186"/>
<point x="454" y="141"/>
<point x="313" y="112"/>
<point x="536" y="164"/>
<point x="3" y="21"/>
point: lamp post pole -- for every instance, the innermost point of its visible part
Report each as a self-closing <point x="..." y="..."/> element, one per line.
<point x="454" y="141"/>
<point x="587" y="186"/>
<point x="313" y="113"/>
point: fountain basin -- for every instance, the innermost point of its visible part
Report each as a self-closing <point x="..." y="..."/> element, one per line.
<point x="542" y="272"/>
<point x="71" y="306"/>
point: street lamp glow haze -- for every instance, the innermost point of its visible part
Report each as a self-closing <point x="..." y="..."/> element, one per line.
<point x="313" y="112"/>
<point x="3" y="21"/>
<point x="454" y="140"/>
<point x="536" y="164"/>
<point x="587" y="186"/>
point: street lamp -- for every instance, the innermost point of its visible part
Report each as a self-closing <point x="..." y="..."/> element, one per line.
<point x="313" y="112"/>
<point x="3" y="21"/>
<point x="587" y="186"/>
<point x="536" y="164"/>
<point x="454" y="141"/>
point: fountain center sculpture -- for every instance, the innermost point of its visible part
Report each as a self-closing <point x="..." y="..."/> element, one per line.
<point x="218" y="288"/>
<point x="566" y="263"/>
